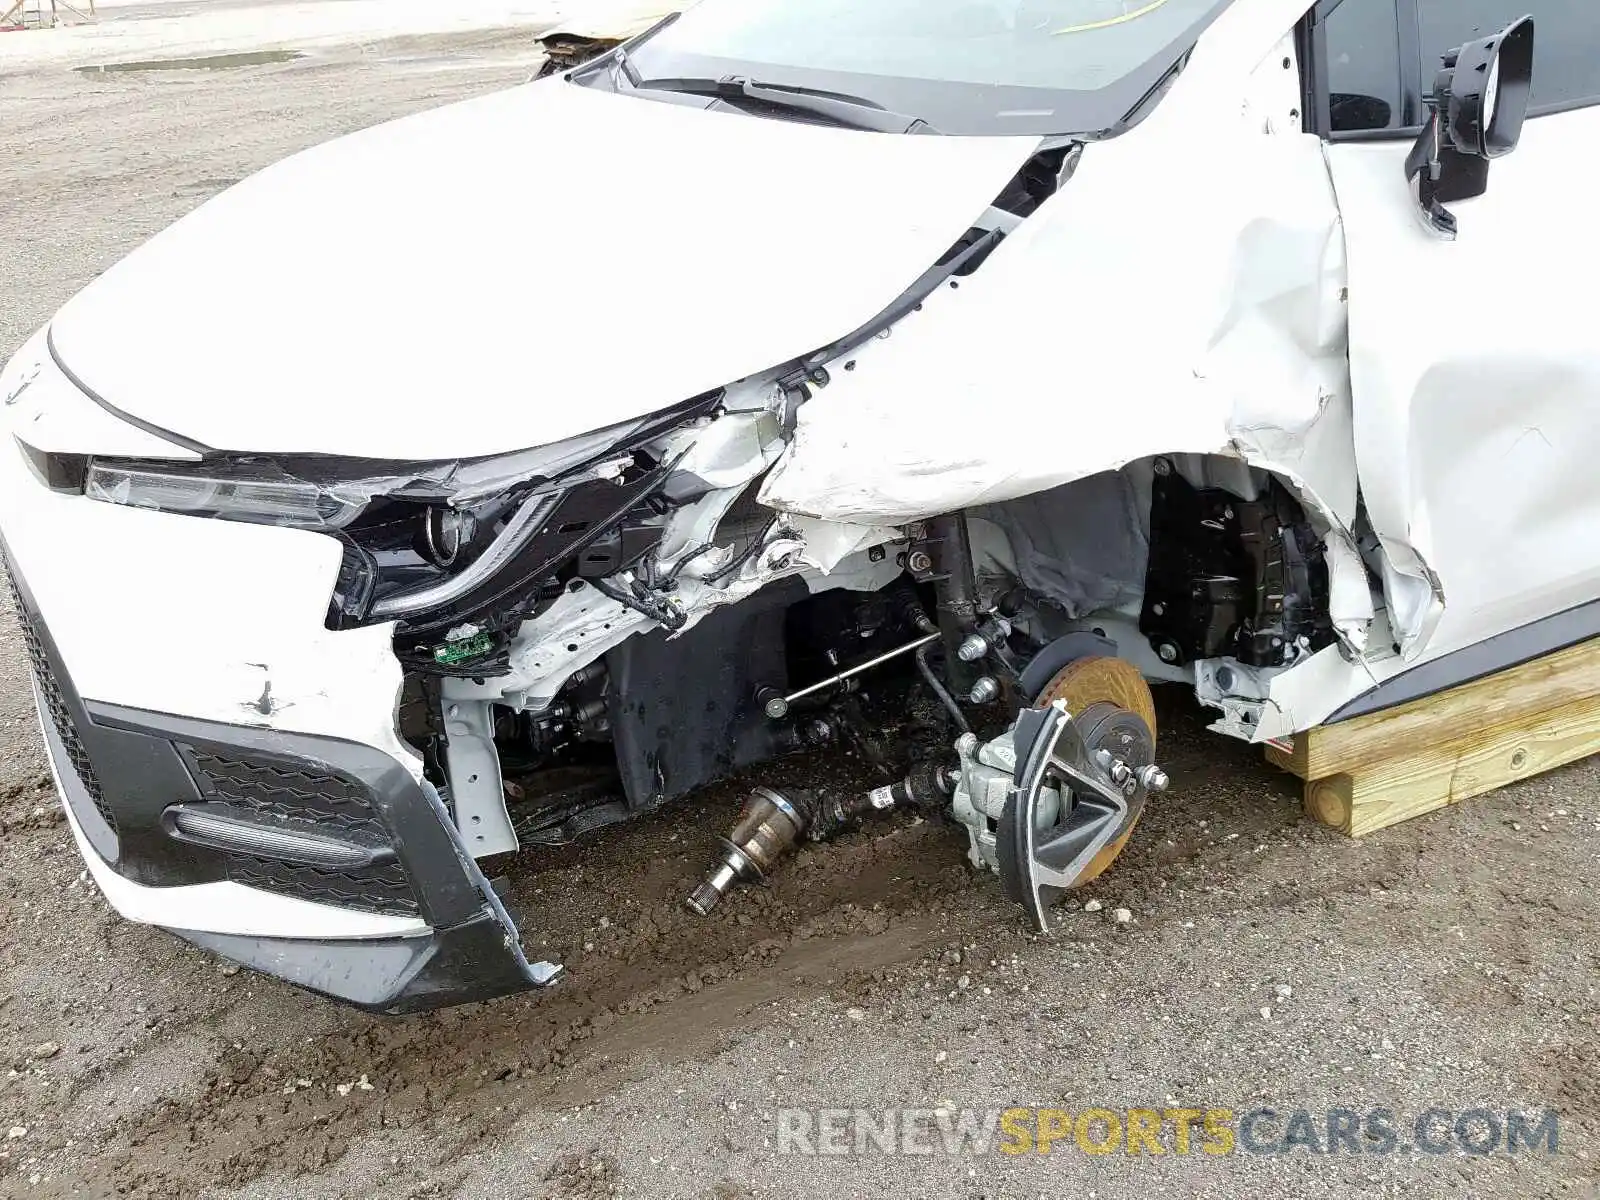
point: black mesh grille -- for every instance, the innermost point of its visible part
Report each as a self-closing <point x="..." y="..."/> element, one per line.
<point x="329" y="801"/>
<point x="56" y="705"/>
<point x="382" y="889"/>
<point x="290" y="792"/>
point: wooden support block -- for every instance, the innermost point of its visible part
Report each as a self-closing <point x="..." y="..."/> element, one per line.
<point x="1378" y="770"/>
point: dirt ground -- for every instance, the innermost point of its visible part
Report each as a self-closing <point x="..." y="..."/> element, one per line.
<point x="1450" y="963"/>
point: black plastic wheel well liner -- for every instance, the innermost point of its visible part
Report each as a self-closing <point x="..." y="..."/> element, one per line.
<point x="682" y="708"/>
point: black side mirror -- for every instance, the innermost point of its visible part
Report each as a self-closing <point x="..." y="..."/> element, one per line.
<point x="1475" y="114"/>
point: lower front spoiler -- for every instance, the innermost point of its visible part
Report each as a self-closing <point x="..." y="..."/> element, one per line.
<point x="466" y="963"/>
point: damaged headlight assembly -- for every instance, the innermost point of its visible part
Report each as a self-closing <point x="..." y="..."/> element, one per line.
<point x="457" y="552"/>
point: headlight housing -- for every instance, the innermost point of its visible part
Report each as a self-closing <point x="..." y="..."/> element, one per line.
<point x="457" y="553"/>
<point x="219" y="492"/>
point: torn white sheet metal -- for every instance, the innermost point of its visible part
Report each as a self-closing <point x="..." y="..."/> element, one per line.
<point x="828" y="543"/>
<point x="419" y="336"/>
<point x="1350" y="601"/>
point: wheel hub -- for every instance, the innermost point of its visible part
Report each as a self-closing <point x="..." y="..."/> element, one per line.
<point x="1083" y="767"/>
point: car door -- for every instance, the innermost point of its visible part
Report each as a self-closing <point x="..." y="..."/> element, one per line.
<point x="1475" y="363"/>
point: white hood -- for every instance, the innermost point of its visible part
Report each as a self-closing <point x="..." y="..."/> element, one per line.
<point x="516" y="269"/>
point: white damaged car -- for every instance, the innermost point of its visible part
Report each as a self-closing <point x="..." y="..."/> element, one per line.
<point x="984" y="359"/>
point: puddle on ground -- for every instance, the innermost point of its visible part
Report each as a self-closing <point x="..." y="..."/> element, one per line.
<point x="209" y="62"/>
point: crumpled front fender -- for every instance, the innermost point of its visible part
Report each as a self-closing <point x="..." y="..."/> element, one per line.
<point x="1127" y="318"/>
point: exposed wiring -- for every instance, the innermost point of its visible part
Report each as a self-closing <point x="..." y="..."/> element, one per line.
<point x="667" y="615"/>
<point x="1108" y="22"/>
<point x="744" y="555"/>
<point x="671" y="577"/>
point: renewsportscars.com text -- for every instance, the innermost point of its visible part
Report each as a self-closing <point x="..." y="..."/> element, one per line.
<point x="1157" y="1131"/>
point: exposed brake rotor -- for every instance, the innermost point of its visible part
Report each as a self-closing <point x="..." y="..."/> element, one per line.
<point x="1091" y="681"/>
<point x="1084" y="764"/>
<point x="1102" y="680"/>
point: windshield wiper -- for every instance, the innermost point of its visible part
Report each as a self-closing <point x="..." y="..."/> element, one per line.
<point x="851" y="112"/>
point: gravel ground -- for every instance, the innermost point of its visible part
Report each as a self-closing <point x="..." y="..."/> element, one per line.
<point x="1450" y="963"/>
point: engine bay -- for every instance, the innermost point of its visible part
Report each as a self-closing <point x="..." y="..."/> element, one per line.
<point x="939" y="657"/>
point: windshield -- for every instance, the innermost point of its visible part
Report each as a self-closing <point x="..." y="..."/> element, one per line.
<point x="966" y="66"/>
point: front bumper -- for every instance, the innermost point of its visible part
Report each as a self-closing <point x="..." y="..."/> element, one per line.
<point x="417" y="928"/>
<point x="183" y="665"/>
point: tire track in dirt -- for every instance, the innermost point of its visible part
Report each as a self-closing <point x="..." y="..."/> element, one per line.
<point x="652" y="980"/>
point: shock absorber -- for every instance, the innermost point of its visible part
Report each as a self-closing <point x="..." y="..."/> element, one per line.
<point x="957" y="591"/>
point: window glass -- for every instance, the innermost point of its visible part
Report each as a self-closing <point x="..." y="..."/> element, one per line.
<point x="964" y="66"/>
<point x="1364" y="65"/>
<point x="1566" y="40"/>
